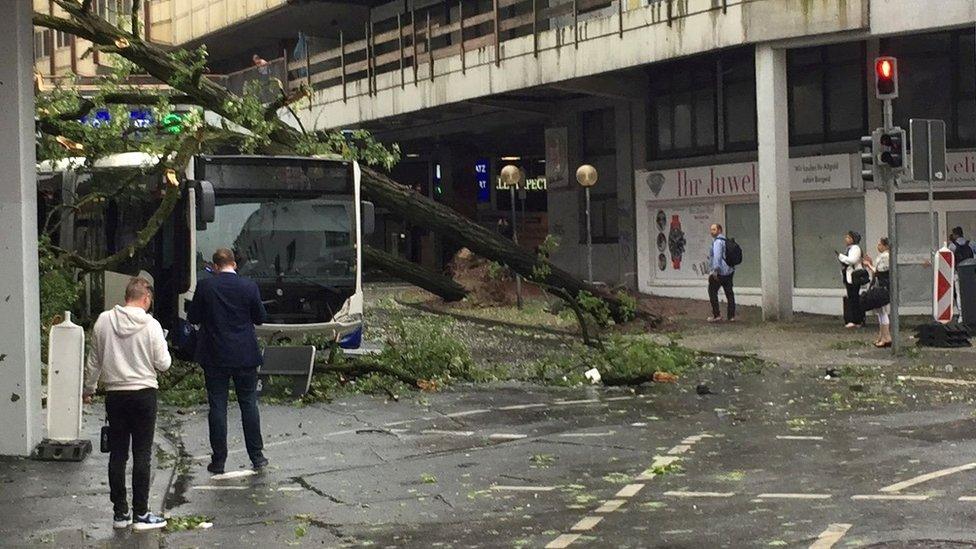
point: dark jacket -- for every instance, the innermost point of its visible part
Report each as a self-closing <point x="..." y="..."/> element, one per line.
<point x="226" y="307"/>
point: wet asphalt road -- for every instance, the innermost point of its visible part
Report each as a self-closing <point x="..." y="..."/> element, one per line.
<point x="778" y="458"/>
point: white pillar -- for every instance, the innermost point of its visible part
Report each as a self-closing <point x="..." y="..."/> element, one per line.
<point x="775" y="210"/>
<point x="19" y="303"/>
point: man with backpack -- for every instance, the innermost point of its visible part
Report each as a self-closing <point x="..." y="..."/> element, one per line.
<point x="725" y="254"/>
<point x="962" y="250"/>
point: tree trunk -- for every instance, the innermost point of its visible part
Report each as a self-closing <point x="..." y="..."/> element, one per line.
<point x="448" y="223"/>
<point x="382" y="190"/>
<point x="442" y="286"/>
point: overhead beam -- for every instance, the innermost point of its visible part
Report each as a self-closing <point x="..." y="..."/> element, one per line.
<point x="471" y="124"/>
<point x="544" y="108"/>
<point x="627" y="87"/>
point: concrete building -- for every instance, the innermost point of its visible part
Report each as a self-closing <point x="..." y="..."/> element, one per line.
<point x="687" y="108"/>
<point x="684" y="107"/>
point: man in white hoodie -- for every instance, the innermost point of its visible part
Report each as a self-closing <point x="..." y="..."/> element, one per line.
<point x="128" y="347"/>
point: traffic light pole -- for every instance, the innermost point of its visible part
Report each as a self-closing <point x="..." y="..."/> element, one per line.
<point x="889" y="185"/>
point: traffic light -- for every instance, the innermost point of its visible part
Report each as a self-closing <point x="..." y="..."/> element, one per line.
<point x="892" y="152"/>
<point x="886" y="77"/>
<point x="869" y="144"/>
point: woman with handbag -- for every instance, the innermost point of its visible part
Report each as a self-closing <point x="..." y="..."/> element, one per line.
<point x="854" y="277"/>
<point x="878" y="296"/>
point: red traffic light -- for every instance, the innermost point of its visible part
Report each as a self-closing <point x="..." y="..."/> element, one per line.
<point x="885" y="68"/>
<point x="886" y="77"/>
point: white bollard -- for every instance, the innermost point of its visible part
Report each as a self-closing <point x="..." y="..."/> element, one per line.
<point x="65" y="378"/>
<point x="944" y="285"/>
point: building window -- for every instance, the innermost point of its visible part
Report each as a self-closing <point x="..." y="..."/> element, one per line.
<point x="41" y="48"/>
<point x="827" y="100"/>
<point x="738" y="81"/>
<point x="62" y="39"/>
<point x="598" y="147"/>
<point x="111" y="10"/>
<point x="817" y="233"/>
<point x="937" y="81"/>
<point x="684" y="110"/>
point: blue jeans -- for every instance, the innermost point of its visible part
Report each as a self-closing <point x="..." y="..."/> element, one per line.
<point x="245" y="385"/>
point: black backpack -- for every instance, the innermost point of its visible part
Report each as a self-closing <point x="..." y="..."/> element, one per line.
<point x="733" y="252"/>
<point x="963" y="252"/>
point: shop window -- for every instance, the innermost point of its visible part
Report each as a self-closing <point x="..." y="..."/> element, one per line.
<point x="937" y="80"/>
<point x="597" y="133"/>
<point x="827" y="90"/>
<point x="742" y="224"/>
<point x="533" y="199"/>
<point x="817" y="234"/>
<point x="598" y="147"/>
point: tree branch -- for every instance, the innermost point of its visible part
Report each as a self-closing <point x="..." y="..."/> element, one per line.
<point x="86" y="105"/>
<point x="135" y="17"/>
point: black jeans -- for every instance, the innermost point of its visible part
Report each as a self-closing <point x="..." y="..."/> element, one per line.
<point x="725" y="282"/>
<point x="246" y="387"/>
<point x="131" y="416"/>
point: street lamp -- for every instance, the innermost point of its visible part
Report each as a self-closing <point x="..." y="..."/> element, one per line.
<point x="511" y="176"/>
<point x="587" y="176"/>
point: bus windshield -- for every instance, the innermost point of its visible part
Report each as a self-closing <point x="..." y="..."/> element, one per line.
<point x="301" y="253"/>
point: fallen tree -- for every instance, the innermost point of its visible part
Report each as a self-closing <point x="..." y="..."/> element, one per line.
<point x="185" y="73"/>
<point x="442" y="286"/>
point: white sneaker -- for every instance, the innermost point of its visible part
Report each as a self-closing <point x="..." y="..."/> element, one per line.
<point x="149" y="521"/>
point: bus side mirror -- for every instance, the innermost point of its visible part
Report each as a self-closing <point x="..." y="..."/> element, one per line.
<point x="206" y="203"/>
<point x="369" y="217"/>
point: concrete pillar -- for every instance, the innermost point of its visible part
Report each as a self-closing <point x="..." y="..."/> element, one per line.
<point x="19" y="304"/>
<point x="775" y="210"/>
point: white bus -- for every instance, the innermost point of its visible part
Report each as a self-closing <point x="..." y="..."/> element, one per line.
<point x="296" y="225"/>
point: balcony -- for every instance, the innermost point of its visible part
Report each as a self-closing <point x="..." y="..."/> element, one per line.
<point x="418" y="54"/>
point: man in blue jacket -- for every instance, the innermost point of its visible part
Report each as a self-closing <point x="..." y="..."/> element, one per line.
<point x="226" y="307"/>
<point x="720" y="276"/>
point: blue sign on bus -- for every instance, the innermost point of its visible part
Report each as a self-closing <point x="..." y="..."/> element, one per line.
<point x="481" y="168"/>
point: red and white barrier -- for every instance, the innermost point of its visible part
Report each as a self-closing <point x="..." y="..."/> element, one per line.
<point x="943" y="300"/>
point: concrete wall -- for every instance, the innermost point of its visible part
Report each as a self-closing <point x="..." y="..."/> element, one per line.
<point x="699" y="26"/>
<point x="901" y="16"/>
<point x="613" y="263"/>
<point x="190" y="19"/>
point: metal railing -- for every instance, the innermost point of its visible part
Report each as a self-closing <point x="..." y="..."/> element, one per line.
<point x="268" y="90"/>
<point x="412" y="41"/>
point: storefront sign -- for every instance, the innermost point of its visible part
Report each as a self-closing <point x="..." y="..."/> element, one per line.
<point x="961" y="166"/>
<point x="557" y="163"/>
<point x="742" y="179"/>
<point x="481" y="172"/>
<point x="530" y="184"/>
